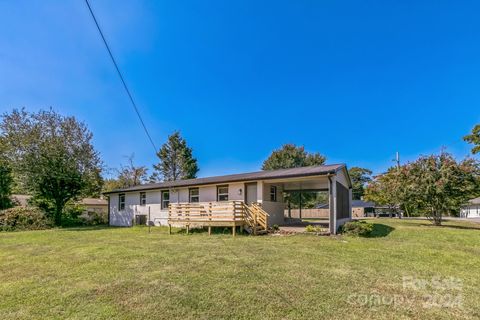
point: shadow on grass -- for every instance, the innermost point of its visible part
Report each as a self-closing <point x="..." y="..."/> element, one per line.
<point x="446" y="223"/>
<point x="87" y="228"/>
<point x="215" y="230"/>
<point x="380" y="231"/>
<point x="450" y="226"/>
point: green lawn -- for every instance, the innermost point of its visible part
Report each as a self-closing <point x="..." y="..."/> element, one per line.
<point x="126" y="273"/>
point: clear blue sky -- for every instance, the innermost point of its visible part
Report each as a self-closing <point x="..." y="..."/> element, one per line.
<point x="354" y="80"/>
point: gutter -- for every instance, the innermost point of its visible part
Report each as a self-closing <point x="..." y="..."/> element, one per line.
<point x="146" y="188"/>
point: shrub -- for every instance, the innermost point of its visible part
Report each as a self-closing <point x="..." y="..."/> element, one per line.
<point x="23" y="218"/>
<point x="95" y="218"/>
<point x="77" y="215"/>
<point x="311" y="228"/>
<point x="357" y="228"/>
<point x="275" y="227"/>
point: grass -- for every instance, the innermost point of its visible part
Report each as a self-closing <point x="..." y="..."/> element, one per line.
<point x="126" y="273"/>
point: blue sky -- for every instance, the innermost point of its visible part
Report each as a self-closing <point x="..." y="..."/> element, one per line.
<point x="354" y="80"/>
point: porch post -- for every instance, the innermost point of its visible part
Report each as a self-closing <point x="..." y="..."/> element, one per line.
<point x="300" y="204"/>
<point x="332" y="203"/>
<point x="260" y="192"/>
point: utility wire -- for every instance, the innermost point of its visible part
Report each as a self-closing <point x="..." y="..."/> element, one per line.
<point x="121" y="77"/>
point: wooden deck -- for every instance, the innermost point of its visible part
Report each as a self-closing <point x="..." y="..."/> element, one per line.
<point x="218" y="214"/>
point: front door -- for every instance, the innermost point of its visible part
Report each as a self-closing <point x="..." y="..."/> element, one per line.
<point x="251" y="193"/>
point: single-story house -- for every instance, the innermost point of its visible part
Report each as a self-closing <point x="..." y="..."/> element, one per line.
<point x="97" y="205"/>
<point x="361" y="208"/>
<point x="20" y="199"/>
<point x="471" y="209"/>
<point x="152" y="203"/>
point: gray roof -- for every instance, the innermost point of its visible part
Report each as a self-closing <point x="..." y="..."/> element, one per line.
<point x="355" y="204"/>
<point x="474" y="201"/>
<point x="259" y="175"/>
<point x="362" y="204"/>
<point x="93" y="201"/>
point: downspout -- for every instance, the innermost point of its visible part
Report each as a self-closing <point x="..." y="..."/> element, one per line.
<point x="108" y="210"/>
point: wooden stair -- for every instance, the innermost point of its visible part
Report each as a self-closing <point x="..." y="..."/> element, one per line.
<point x="256" y="219"/>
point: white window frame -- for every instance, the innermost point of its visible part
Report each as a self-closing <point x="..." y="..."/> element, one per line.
<point x="273" y="193"/>
<point x="193" y="196"/>
<point x="165" y="202"/>
<point x="121" y="201"/>
<point x="223" y="194"/>
<point x="143" y="198"/>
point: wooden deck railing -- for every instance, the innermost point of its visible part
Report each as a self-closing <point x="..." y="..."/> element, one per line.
<point x="218" y="214"/>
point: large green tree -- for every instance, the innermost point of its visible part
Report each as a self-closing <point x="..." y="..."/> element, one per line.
<point x="432" y="185"/>
<point x="176" y="161"/>
<point x="474" y="138"/>
<point x="442" y="185"/>
<point x="360" y="177"/>
<point x="392" y="189"/>
<point x="6" y="182"/>
<point x="52" y="156"/>
<point x="292" y="156"/>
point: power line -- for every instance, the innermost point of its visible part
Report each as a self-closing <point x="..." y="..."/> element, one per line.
<point x="121" y="77"/>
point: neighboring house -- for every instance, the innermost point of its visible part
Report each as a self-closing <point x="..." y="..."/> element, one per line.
<point x="265" y="188"/>
<point x="472" y="209"/>
<point x="362" y="208"/>
<point x="21" y="199"/>
<point x="99" y="206"/>
<point x="94" y="205"/>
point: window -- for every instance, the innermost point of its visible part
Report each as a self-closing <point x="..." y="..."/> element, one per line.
<point x="165" y="199"/>
<point x="273" y="193"/>
<point x="194" y="195"/>
<point x="121" y="201"/>
<point x="143" y="198"/>
<point x="222" y="193"/>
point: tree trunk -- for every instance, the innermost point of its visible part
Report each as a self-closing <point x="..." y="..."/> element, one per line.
<point x="437" y="218"/>
<point x="58" y="213"/>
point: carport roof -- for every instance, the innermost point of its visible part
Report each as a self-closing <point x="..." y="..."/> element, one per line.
<point x="259" y="175"/>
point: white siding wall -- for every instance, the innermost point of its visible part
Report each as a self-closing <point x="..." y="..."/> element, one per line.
<point x="472" y="211"/>
<point x="233" y="191"/>
<point x="157" y="215"/>
<point x="275" y="211"/>
<point x="206" y="194"/>
<point x="274" y="208"/>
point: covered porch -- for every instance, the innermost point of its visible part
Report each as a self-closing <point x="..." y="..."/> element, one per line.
<point x="320" y="201"/>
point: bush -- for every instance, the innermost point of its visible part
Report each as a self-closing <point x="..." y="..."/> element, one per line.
<point x="357" y="228"/>
<point x="311" y="228"/>
<point x="23" y="218"/>
<point x="77" y="215"/>
<point x="93" y="218"/>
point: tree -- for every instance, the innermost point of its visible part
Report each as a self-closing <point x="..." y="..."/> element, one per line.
<point x="474" y="138"/>
<point x="291" y="156"/>
<point x="127" y="176"/>
<point x="52" y="156"/>
<point x="6" y="181"/>
<point x="442" y="185"/>
<point x="392" y="189"/>
<point x="360" y="177"/>
<point x="176" y="161"/>
<point x="432" y="185"/>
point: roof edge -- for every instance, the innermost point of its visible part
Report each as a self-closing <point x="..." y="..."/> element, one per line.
<point x="146" y="187"/>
